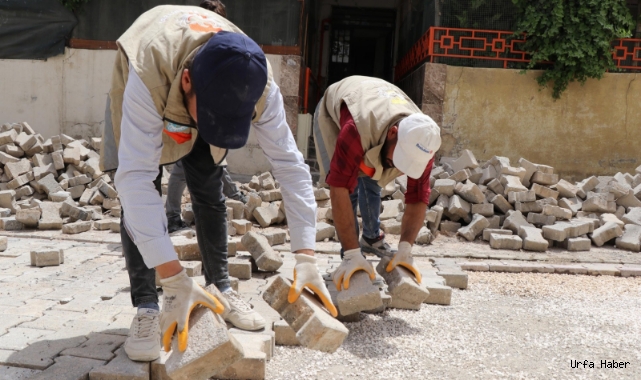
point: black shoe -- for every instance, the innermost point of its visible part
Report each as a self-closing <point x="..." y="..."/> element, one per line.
<point x="176" y="224"/>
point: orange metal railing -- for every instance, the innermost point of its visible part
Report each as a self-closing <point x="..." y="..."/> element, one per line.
<point x="493" y="45"/>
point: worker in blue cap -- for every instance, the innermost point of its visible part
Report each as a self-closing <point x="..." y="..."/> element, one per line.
<point x="187" y="85"/>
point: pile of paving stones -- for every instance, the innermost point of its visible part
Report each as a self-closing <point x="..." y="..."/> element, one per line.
<point x="53" y="184"/>
<point x="527" y="206"/>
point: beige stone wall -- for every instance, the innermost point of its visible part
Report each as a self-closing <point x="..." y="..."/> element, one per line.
<point x="593" y="129"/>
<point x="67" y="94"/>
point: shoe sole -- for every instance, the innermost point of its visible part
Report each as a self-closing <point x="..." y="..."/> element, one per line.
<point x="247" y="329"/>
<point x="141" y="357"/>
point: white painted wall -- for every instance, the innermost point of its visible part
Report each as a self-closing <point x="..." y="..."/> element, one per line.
<point x="64" y="94"/>
<point x="68" y="94"/>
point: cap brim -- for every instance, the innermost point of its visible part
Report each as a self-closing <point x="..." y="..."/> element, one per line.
<point x="409" y="166"/>
<point x="221" y="131"/>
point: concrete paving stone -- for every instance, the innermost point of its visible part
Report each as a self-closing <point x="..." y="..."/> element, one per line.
<point x="242" y="226"/>
<point x="250" y="367"/>
<point x="193" y="268"/>
<point x="471" y="231"/>
<point x="11" y="224"/>
<point x="533" y="239"/>
<point x="573" y="204"/>
<point x="528" y="207"/>
<point x="604" y="218"/>
<point x="602" y="269"/>
<point x="540" y="219"/>
<point x="8" y="321"/>
<point x="470" y="192"/>
<point x="122" y="368"/>
<point x="460" y="207"/>
<point x="629" y="200"/>
<point x="15" y="373"/>
<point x="569" y="269"/>
<point x="186" y="248"/>
<point x="511" y="184"/>
<point x="239" y="268"/>
<point x="391" y="226"/>
<point x="40" y="354"/>
<point x="98" y="346"/>
<point x="424" y="236"/>
<point x="445" y="186"/>
<point x="501" y="203"/>
<point x="102" y="225"/>
<point x="545" y="179"/>
<point x="465" y="161"/>
<point x="598" y="204"/>
<point x="324" y="231"/>
<point x="391" y="209"/>
<point x="455" y="278"/>
<point x="566" y="189"/>
<point x="631" y="238"/>
<point x="315" y="328"/>
<point x="496" y="187"/>
<point x="434" y="226"/>
<point x="630" y="270"/>
<point x="449" y="226"/>
<point x="459" y="176"/>
<point x="211" y="349"/>
<point x="475" y="266"/>
<point x="514" y="221"/>
<point x="362" y="295"/>
<point x="76" y="227"/>
<point x="402" y="285"/>
<point x="17" y="168"/>
<point x="488" y="231"/>
<point x="485" y="209"/>
<point x="605" y="233"/>
<point x="285" y="335"/>
<point x="558" y="212"/>
<point x="505" y="242"/>
<point x="577" y="244"/>
<point x="17" y="338"/>
<point x="274" y="237"/>
<point x="265" y="216"/>
<point x="48" y="184"/>
<point x="69" y="368"/>
<point x="439" y="294"/>
<point x="521" y="196"/>
<point x="47" y="256"/>
<point x="266" y="258"/>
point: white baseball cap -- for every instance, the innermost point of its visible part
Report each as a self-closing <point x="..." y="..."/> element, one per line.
<point x="418" y="140"/>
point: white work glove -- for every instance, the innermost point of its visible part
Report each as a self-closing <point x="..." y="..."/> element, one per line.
<point x="306" y="275"/>
<point x="353" y="261"/>
<point x="404" y="258"/>
<point x="181" y="295"/>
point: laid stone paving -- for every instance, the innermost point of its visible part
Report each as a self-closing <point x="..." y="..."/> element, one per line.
<point x="62" y="322"/>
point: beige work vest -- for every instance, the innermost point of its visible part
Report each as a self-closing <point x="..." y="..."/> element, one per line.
<point x="375" y="105"/>
<point x="157" y="46"/>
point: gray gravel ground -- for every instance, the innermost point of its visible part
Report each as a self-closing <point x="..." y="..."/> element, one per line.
<point x="504" y="326"/>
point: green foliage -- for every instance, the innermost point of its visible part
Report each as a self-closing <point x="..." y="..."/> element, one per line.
<point x="575" y="35"/>
<point x="477" y="14"/>
<point x="73" y="5"/>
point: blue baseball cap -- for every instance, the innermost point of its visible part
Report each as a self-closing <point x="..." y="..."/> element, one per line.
<point x="229" y="75"/>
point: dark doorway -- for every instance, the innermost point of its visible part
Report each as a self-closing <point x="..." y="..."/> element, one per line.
<point x="362" y="42"/>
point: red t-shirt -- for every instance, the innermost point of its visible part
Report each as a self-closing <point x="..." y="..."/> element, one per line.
<point x="348" y="157"/>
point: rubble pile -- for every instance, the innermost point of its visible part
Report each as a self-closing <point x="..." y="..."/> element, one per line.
<point x="511" y="206"/>
<point x="53" y="184"/>
<point x="526" y="206"/>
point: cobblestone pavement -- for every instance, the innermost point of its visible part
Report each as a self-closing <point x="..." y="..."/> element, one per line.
<point x="76" y="315"/>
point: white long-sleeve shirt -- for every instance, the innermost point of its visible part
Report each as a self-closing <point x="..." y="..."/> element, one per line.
<point x="139" y="156"/>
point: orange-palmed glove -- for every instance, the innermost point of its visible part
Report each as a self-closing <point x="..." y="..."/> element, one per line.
<point x="404" y="258"/>
<point x="306" y="275"/>
<point x="181" y="295"/>
<point x="353" y="261"/>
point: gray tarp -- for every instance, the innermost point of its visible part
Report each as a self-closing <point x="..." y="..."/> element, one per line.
<point x="34" y="29"/>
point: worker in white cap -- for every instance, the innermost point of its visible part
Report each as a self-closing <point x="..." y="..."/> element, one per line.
<point x="367" y="133"/>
